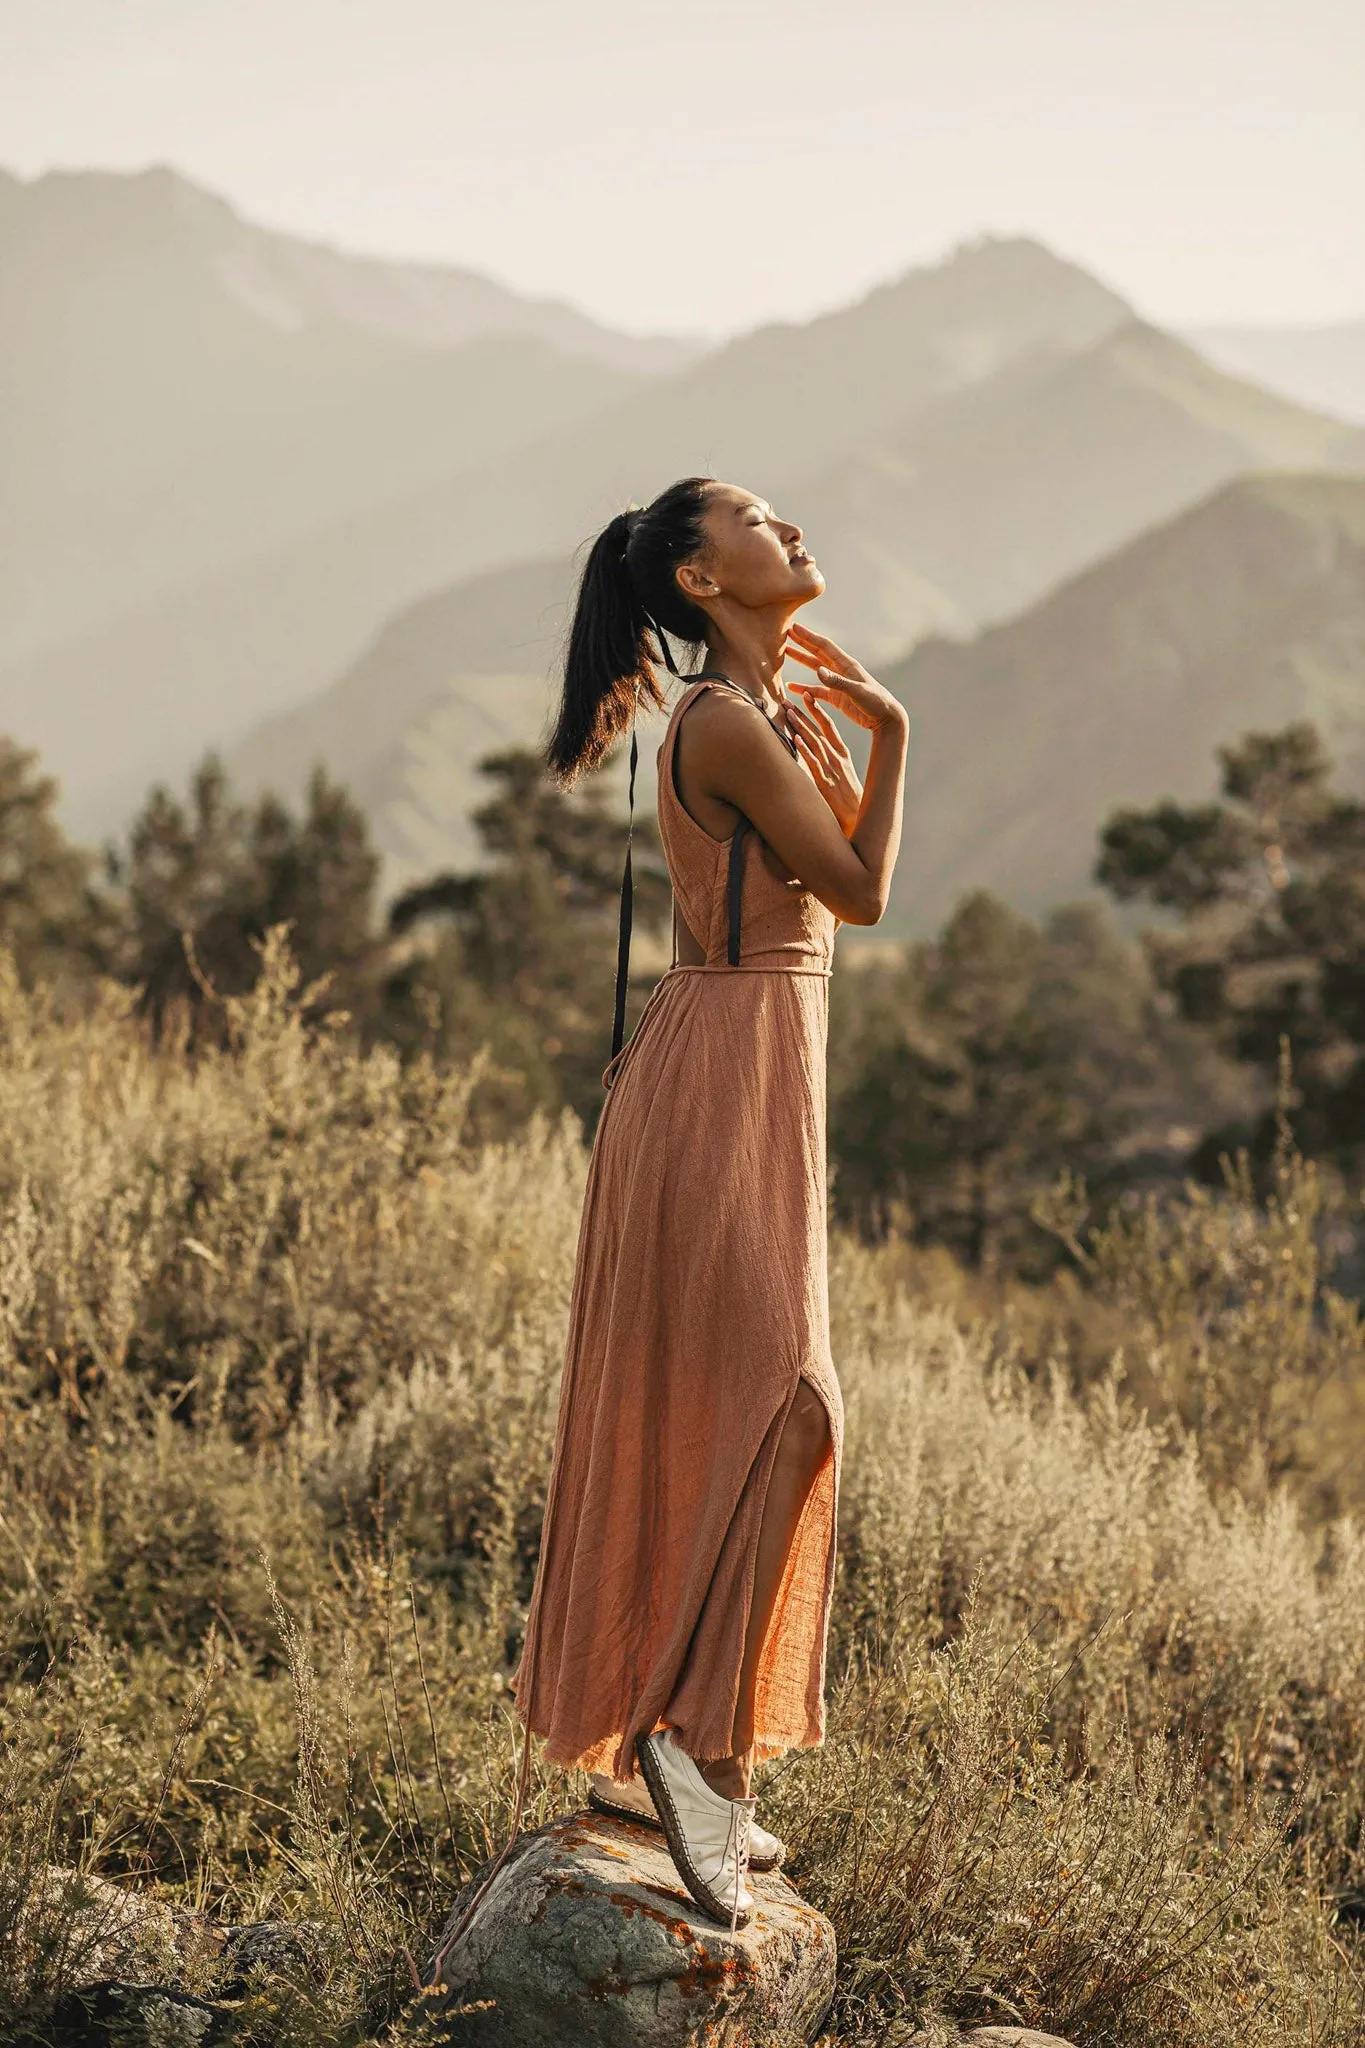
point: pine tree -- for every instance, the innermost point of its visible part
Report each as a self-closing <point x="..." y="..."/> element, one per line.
<point x="998" y="1053"/>
<point x="521" y="954"/>
<point x="1269" y="888"/>
<point x="52" y="920"/>
<point x="218" y="874"/>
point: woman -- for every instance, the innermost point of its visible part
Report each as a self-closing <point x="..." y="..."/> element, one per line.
<point x="681" y="1604"/>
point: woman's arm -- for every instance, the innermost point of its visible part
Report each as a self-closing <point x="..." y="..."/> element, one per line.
<point x="739" y="761"/>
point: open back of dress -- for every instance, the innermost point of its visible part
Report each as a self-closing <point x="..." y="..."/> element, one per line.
<point x="700" y="1301"/>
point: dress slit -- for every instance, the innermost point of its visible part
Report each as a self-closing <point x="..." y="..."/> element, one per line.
<point x="764" y="1463"/>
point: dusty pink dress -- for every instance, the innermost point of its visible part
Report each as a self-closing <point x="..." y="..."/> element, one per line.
<point x="700" y="1301"/>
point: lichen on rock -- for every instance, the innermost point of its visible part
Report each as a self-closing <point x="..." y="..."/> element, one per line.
<point x="587" y="1935"/>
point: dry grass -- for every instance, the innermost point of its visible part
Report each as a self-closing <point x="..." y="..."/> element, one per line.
<point x="278" y="1356"/>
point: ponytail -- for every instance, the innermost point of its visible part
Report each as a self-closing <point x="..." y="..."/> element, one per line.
<point x="628" y="599"/>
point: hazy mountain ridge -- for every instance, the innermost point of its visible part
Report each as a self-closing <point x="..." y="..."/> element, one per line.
<point x="995" y="495"/>
<point x="119" y="701"/>
<point x="162" y="424"/>
<point x="1321" y="366"/>
<point x="958" y="441"/>
<point x="1245" y="612"/>
<point x="977" y="506"/>
<point x="384" y="728"/>
<point x="290" y="282"/>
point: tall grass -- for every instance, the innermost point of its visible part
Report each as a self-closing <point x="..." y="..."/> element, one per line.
<point x="278" y="1353"/>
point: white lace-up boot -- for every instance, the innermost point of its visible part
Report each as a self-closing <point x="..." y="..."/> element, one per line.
<point x="707" y="1835"/>
<point x="631" y="1801"/>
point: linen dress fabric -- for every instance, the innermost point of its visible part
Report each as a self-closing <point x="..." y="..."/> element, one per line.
<point x="699" y="1304"/>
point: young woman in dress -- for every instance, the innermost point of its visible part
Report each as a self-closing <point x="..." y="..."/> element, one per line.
<point x="678" y="1621"/>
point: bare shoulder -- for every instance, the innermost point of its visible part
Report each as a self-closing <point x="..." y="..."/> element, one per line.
<point x="723" y="724"/>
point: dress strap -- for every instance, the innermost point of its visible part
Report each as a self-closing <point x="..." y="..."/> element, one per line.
<point x="735" y="876"/>
<point x="734" y="879"/>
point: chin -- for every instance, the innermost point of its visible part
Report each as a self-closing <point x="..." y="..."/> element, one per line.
<point x="812" y="583"/>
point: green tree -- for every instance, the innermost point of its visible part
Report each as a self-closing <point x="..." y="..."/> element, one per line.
<point x="52" y="918"/>
<point x="221" y="873"/>
<point x="1268" y="886"/>
<point x="997" y="1054"/>
<point x="521" y="954"/>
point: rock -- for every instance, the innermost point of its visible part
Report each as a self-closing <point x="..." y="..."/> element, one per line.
<point x="298" y="1951"/>
<point x="986" y="2037"/>
<point x="1013" y="2037"/>
<point x="107" y="1932"/>
<point x="588" y="1936"/>
<point x="131" y="2016"/>
<point x="132" y="1964"/>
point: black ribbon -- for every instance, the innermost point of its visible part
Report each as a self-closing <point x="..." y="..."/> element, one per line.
<point x="734" y="879"/>
<point x="618" y="1028"/>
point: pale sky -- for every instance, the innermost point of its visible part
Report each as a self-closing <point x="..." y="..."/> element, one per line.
<point x="708" y="164"/>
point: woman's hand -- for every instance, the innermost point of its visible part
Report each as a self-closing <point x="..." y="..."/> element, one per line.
<point x="842" y="681"/>
<point x="825" y="754"/>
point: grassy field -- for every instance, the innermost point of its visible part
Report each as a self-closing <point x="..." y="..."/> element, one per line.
<point x="278" y="1360"/>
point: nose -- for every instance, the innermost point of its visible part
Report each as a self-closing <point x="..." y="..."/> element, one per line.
<point x="790" y="533"/>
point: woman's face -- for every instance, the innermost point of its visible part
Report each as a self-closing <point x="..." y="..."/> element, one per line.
<point x="752" y="557"/>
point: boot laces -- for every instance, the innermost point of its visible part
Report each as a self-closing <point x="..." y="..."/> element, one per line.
<point x="741" y="1814"/>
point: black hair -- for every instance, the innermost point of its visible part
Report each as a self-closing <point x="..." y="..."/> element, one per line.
<point x="628" y="596"/>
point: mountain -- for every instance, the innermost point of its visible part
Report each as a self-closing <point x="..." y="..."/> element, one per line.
<point x="451" y="678"/>
<point x="1243" y="613"/>
<point x="993" y="496"/>
<point x="208" y="639"/>
<point x="774" y="405"/>
<point x="238" y="459"/>
<point x="69" y="219"/>
<point x="183" y="391"/>
<point x="969" y="510"/>
<point x="1321" y="366"/>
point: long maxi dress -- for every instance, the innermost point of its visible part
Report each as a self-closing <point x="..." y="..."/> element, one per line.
<point x="699" y="1303"/>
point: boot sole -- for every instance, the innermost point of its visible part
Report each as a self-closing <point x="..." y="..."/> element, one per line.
<point x="677" y="1840"/>
<point x="761" y="1864"/>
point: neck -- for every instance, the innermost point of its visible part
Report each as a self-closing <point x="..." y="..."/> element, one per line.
<point x="748" y="649"/>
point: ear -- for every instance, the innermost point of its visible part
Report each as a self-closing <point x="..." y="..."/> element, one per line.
<point x="694" y="581"/>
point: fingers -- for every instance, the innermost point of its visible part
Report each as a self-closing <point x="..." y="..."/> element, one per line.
<point x="832" y="650"/>
<point x="820" y="768"/>
<point x="806" y="729"/>
<point x="804" y="656"/>
<point x="817" y="711"/>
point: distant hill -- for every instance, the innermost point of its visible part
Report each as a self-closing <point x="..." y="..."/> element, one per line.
<point x="186" y="391"/>
<point x="968" y="512"/>
<point x="778" y="405"/>
<point x="1321" y="366"/>
<point x="116" y="699"/>
<point x="1244" y="613"/>
<point x="283" y="281"/>
<point x="452" y="678"/>
<point x="992" y="496"/>
<point x="240" y="459"/>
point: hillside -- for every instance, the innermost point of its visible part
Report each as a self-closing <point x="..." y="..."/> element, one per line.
<point x="117" y="700"/>
<point x="190" y="392"/>
<point x="992" y="497"/>
<point x="980" y="505"/>
<point x="245" y="457"/>
<point x="1322" y="366"/>
<point x="1245" y="612"/>
<point x="405" y="737"/>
